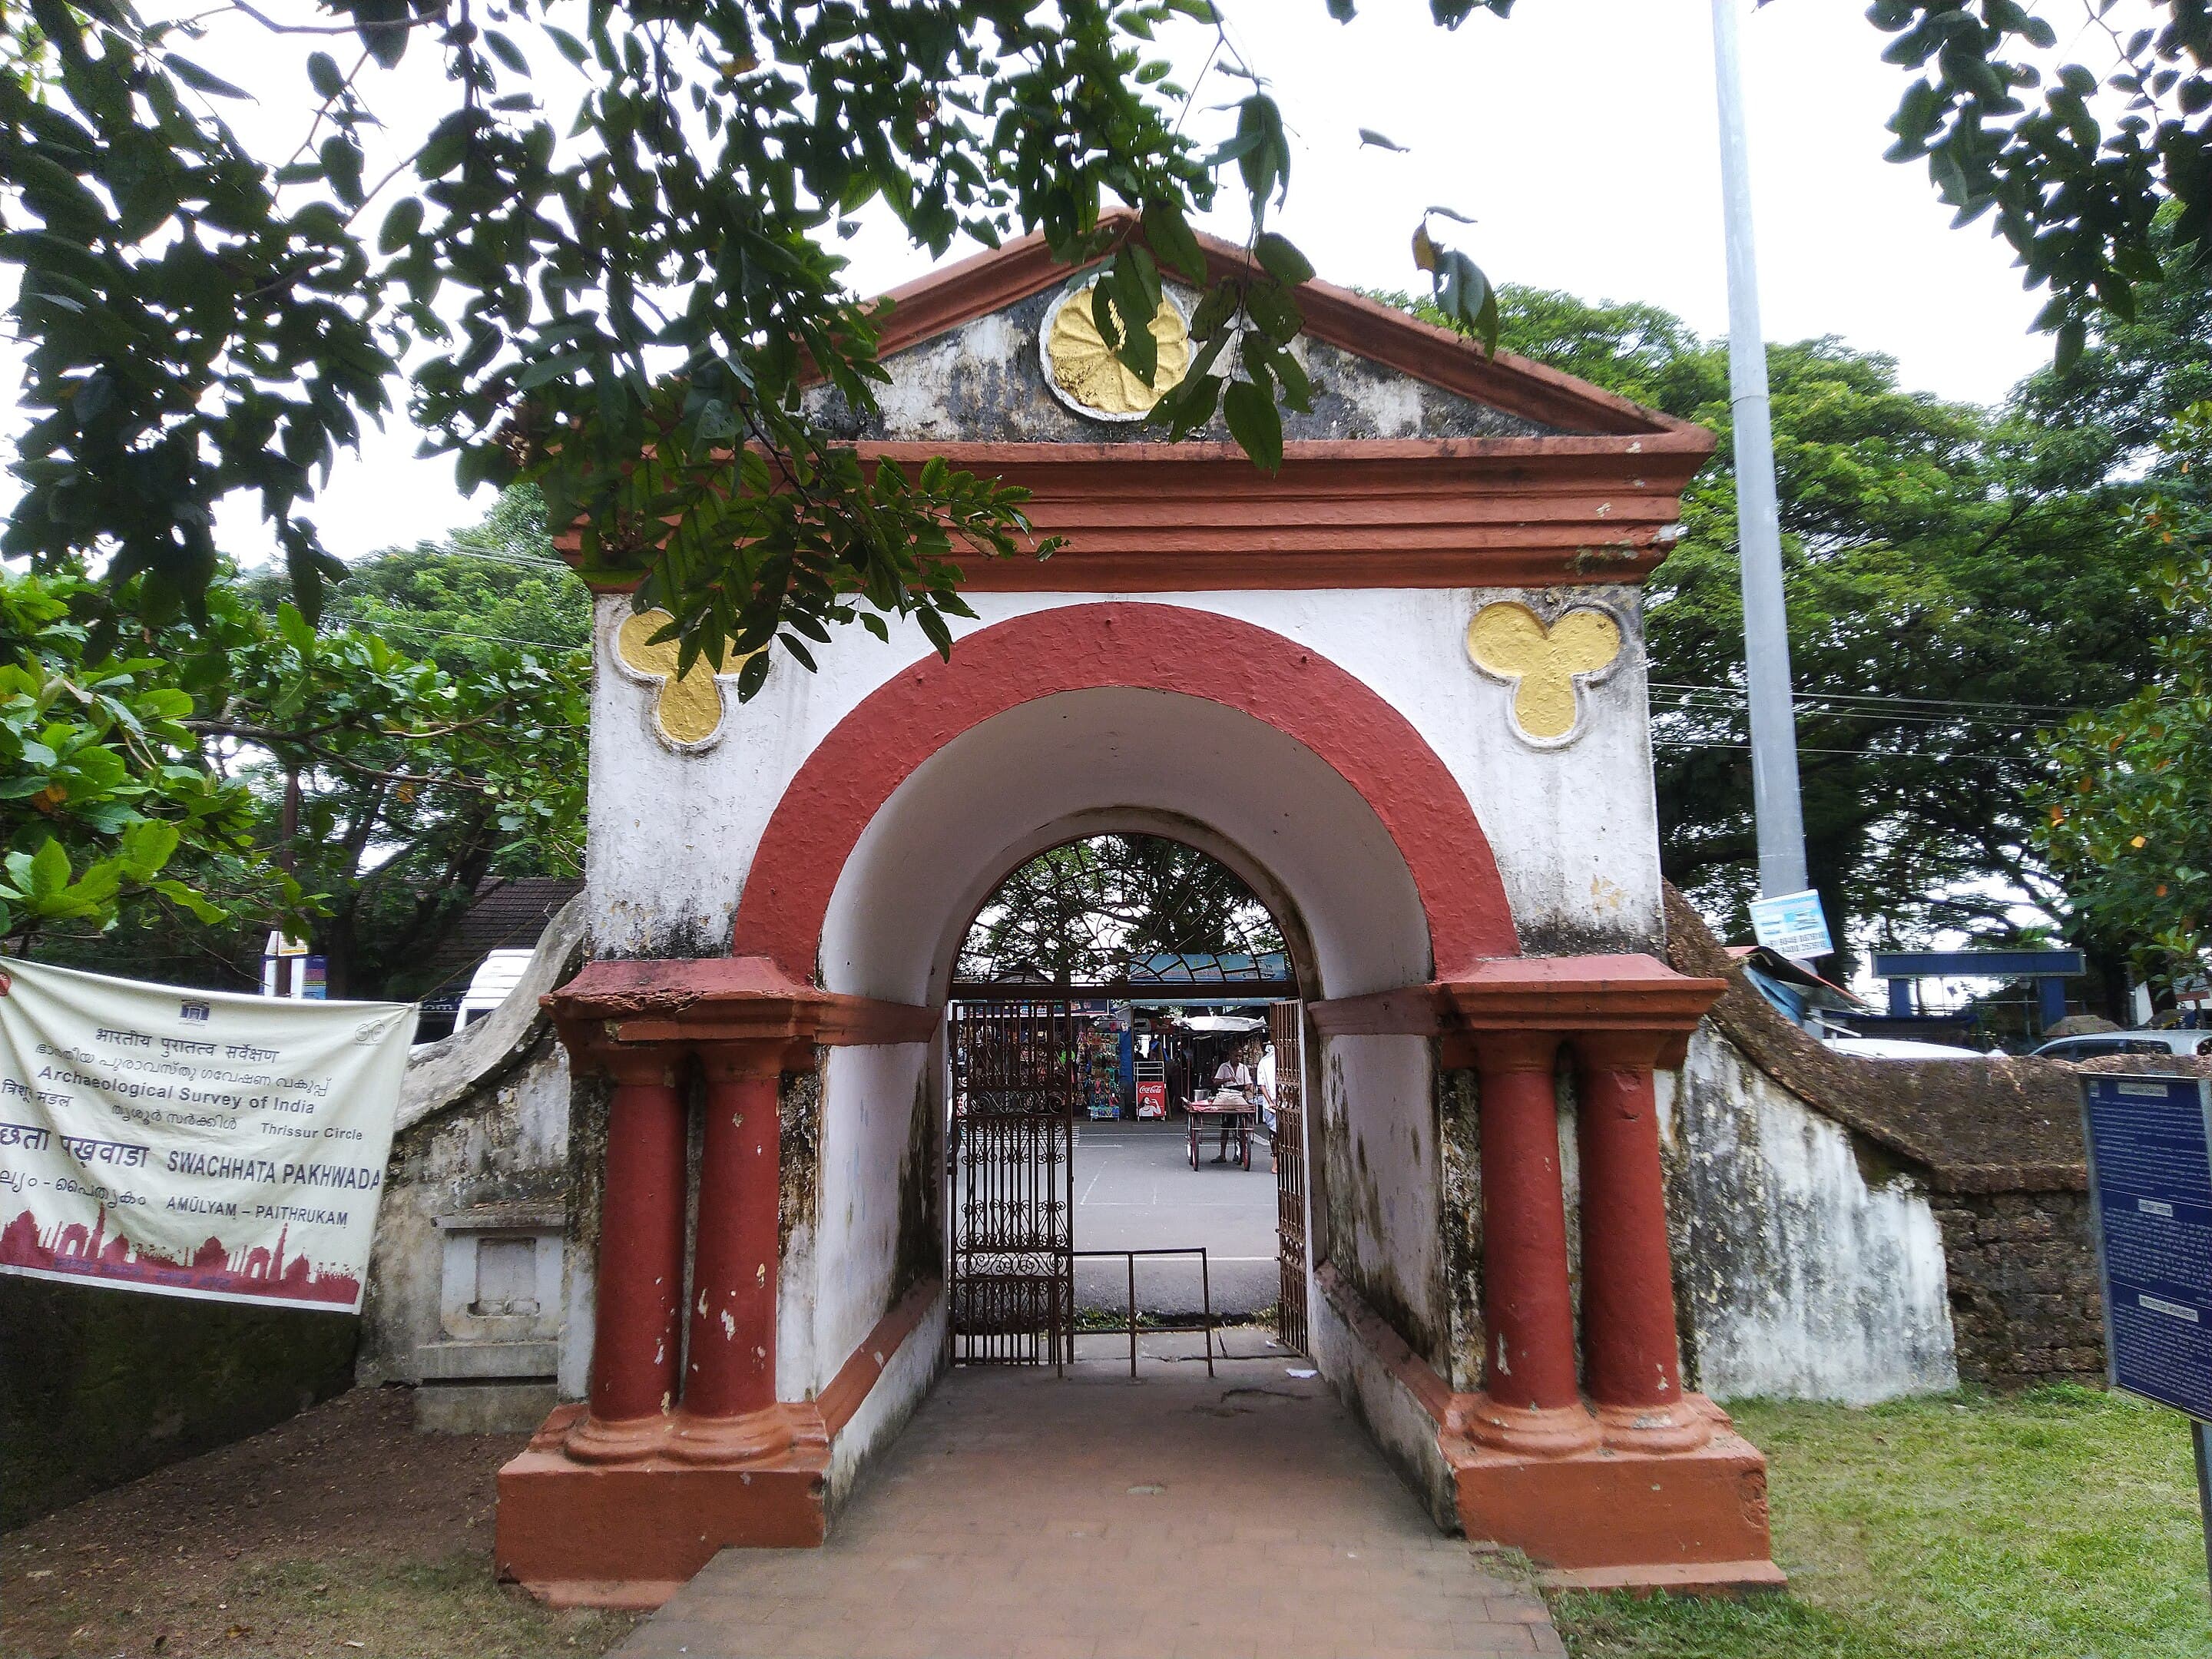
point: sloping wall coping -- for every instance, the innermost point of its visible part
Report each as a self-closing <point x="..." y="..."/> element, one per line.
<point x="1975" y="1126"/>
<point x="442" y="1072"/>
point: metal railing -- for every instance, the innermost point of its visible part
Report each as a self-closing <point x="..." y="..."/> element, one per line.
<point x="1205" y="1290"/>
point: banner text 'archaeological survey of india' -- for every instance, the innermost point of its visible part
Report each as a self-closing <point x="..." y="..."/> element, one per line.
<point x="194" y="1143"/>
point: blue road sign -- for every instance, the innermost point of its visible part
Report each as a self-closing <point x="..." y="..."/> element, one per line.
<point x="2149" y="1142"/>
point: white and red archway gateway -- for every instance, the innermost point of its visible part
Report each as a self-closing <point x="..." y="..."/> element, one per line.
<point x="1402" y="688"/>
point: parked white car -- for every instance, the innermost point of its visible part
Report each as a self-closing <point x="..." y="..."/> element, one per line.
<point x="2101" y="1043"/>
<point x="1860" y="1048"/>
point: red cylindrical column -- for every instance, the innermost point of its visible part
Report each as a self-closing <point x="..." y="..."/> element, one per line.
<point x="640" y="1271"/>
<point x="731" y="1369"/>
<point x="1532" y="1404"/>
<point x="1630" y="1358"/>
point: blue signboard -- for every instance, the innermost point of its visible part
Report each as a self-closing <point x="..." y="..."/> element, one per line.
<point x="2149" y="1143"/>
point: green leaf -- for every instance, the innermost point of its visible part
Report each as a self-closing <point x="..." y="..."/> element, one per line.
<point x="49" y="872"/>
<point x="401" y="225"/>
<point x="2073" y="337"/>
<point x="295" y="629"/>
<point x="200" y="81"/>
<point x="1254" y="423"/>
<point x="323" y="75"/>
<point x="147" y="846"/>
<point x="341" y="159"/>
<point x="1172" y="242"/>
<point x="383" y="27"/>
<point x="506" y="52"/>
<point x="566" y="366"/>
<point x="1280" y="259"/>
<point x="192" y="900"/>
<point x="752" y="675"/>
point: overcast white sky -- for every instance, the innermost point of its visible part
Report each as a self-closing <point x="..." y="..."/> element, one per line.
<point x="1580" y="134"/>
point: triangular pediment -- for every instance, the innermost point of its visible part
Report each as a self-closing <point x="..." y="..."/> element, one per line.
<point x="962" y="347"/>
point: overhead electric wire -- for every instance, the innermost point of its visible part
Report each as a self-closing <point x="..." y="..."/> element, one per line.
<point x="584" y="644"/>
<point x="1884" y="698"/>
<point x="1855" y="754"/>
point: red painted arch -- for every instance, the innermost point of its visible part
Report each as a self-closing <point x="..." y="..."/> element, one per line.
<point x="1078" y="647"/>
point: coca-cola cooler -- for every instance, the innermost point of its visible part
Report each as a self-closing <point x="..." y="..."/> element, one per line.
<point x="1152" y="1089"/>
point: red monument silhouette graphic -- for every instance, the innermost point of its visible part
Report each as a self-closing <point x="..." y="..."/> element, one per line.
<point x="262" y="1271"/>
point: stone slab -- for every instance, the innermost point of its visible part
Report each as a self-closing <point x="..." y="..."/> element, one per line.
<point x="1094" y="1515"/>
<point x="483" y="1407"/>
<point x="490" y="1362"/>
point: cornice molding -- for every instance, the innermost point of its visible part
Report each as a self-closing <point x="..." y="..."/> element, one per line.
<point x="1629" y="996"/>
<point x="1159" y="518"/>
<point x="698" y="1001"/>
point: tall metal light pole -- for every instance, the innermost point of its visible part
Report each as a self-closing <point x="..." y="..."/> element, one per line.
<point x="1781" y="814"/>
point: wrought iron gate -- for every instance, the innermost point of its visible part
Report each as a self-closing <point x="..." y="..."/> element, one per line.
<point x="1015" y="1085"/>
<point x="1287" y="1030"/>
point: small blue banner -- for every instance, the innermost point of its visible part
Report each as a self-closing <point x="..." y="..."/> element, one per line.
<point x="2149" y="1142"/>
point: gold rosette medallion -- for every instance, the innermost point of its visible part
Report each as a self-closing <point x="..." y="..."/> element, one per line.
<point x="1089" y="378"/>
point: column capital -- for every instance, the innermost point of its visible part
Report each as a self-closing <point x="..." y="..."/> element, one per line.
<point x="735" y="1060"/>
<point x="1567" y="996"/>
<point x="1628" y="1048"/>
<point x="1492" y="1052"/>
<point x="630" y="1064"/>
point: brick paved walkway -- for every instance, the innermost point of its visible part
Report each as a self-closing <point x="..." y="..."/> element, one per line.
<point x="1246" y="1517"/>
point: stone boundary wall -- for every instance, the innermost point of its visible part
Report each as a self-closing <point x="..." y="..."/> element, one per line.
<point x="1995" y="1145"/>
<point x="483" y="1130"/>
<point x="99" y="1386"/>
<point x="2024" y="1302"/>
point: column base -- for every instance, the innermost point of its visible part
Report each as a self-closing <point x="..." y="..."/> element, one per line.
<point x="1685" y="1425"/>
<point x="1526" y="1430"/>
<point x="1609" y="1518"/>
<point x="628" y="1535"/>
<point x="746" y="1439"/>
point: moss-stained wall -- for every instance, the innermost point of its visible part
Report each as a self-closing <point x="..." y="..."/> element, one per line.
<point x="1460" y="1110"/>
<point x="1381" y="1198"/>
<point x="100" y="1386"/>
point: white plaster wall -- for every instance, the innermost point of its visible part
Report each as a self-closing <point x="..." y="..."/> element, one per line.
<point x="831" y="1294"/>
<point x="900" y="1389"/>
<point x="1384" y="1189"/>
<point x="1802" y="1280"/>
<point x="1574" y="829"/>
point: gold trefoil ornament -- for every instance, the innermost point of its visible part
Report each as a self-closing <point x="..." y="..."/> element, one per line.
<point x="1547" y="667"/>
<point x="688" y="709"/>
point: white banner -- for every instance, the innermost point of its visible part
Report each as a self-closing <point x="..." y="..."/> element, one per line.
<point x="194" y="1143"/>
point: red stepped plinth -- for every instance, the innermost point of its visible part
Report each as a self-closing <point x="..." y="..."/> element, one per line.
<point x="628" y="1535"/>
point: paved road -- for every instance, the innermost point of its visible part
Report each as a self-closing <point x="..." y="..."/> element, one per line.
<point x="1134" y="1190"/>
<point x="1175" y="1516"/>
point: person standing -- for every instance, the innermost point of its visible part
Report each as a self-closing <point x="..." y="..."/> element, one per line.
<point x="1233" y="1076"/>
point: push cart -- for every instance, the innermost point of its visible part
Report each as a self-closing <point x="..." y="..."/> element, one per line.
<point x="1234" y="1117"/>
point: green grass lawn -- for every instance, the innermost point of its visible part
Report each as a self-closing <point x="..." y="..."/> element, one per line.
<point x="2058" y="1525"/>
